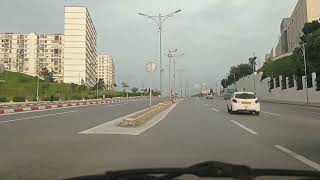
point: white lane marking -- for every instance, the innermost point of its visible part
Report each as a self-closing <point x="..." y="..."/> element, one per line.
<point x="299" y="157"/>
<point x="32" y="117"/>
<point x="312" y="107"/>
<point x="315" y="112"/>
<point x="275" y="114"/>
<point x="216" y="110"/>
<point x="243" y="127"/>
<point x="206" y="104"/>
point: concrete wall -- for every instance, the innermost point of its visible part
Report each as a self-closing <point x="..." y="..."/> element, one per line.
<point x="278" y="94"/>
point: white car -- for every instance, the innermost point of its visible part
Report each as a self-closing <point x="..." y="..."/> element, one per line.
<point x="210" y="96"/>
<point x="244" y="102"/>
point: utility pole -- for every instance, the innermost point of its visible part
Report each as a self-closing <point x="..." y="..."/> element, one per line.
<point x="97" y="88"/>
<point x="38" y="88"/>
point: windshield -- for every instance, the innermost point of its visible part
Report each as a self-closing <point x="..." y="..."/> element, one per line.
<point x="90" y="86"/>
<point x="245" y="96"/>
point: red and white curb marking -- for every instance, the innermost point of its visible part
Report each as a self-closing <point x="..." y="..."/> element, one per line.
<point x="57" y="106"/>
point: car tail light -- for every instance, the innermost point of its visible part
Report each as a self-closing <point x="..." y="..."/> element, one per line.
<point x="234" y="100"/>
<point x="257" y="101"/>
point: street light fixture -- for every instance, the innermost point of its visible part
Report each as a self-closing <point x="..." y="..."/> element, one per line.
<point x="159" y="20"/>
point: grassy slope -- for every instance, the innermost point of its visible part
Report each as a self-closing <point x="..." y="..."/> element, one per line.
<point x="17" y="84"/>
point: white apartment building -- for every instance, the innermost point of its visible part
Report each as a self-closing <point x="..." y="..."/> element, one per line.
<point x="80" y="57"/>
<point x="106" y="70"/>
<point x="30" y="52"/>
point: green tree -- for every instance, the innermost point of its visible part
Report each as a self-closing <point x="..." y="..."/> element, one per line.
<point x="240" y="71"/>
<point x="224" y="83"/>
<point x="311" y="27"/>
<point x="134" y="90"/>
<point x="253" y="62"/>
<point x="101" y="84"/>
<point x="46" y="75"/>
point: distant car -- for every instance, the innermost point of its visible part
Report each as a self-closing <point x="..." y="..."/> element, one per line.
<point x="228" y="92"/>
<point x="227" y="96"/>
<point x="210" y="96"/>
<point x="244" y="102"/>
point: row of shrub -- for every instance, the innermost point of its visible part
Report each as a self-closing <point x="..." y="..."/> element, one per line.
<point x="14" y="99"/>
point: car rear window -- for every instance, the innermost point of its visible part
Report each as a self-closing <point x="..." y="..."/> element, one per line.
<point x="245" y="96"/>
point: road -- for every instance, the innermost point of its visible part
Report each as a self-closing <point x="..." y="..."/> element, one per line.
<point x="46" y="145"/>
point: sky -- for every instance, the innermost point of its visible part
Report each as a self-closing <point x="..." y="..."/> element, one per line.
<point x="213" y="35"/>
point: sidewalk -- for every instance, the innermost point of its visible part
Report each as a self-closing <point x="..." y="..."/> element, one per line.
<point x="317" y="105"/>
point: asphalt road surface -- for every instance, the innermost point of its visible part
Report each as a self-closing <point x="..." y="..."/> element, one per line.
<point x="46" y="145"/>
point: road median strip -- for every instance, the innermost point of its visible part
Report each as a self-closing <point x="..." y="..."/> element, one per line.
<point x="141" y="117"/>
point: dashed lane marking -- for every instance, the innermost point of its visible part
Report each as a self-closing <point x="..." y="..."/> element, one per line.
<point x="244" y="127"/>
<point x="275" y="114"/>
<point x="33" y="117"/>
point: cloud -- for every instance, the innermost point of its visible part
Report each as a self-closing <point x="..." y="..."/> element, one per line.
<point x="213" y="34"/>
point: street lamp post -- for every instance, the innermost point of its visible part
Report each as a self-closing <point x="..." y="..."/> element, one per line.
<point x="254" y="79"/>
<point x="38" y="89"/>
<point x="97" y="87"/>
<point x="170" y="55"/>
<point x="159" y="20"/>
<point x="303" y="49"/>
<point x="174" y="73"/>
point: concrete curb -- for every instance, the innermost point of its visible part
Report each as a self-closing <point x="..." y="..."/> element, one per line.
<point x="141" y="117"/>
<point x="17" y="109"/>
<point x="293" y="103"/>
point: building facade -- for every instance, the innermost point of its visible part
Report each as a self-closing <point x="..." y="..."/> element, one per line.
<point x="80" y="57"/>
<point x="291" y="28"/>
<point x="106" y="70"/>
<point x="28" y="53"/>
<point x="50" y="54"/>
<point x="18" y="52"/>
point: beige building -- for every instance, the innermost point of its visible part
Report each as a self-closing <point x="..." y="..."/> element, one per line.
<point x="50" y="54"/>
<point x="291" y="28"/>
<point x="30" y="52"/>
<point x="18" y="52"/>
<point x="80" y="58"/>
<point x="106" y="70"/>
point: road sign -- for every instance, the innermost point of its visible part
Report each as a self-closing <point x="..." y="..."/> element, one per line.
<point x="151" y="67"/>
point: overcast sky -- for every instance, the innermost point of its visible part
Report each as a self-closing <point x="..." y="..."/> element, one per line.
<point x="212" y="34"/>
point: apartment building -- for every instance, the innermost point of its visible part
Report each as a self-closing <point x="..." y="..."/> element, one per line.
<point x="106" y="70"/>
<point x="50" y="54"/>
<point x="291" y="28"/>
<point x="18" y="52"/>
<point x="30" y="52"/>
<point x="80" y="57"/>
